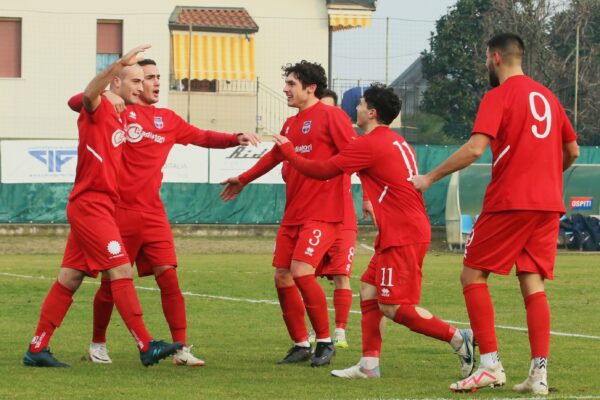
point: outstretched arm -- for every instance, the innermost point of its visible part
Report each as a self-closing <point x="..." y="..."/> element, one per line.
<point x="234" y="185"/>
<point x="461" y="158"/>
<point x="91" y="95"/>
<point x="218" y="140"/>
<point x="316" y="169"/>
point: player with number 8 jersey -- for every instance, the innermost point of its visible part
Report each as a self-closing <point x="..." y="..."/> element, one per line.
<point x="392" y="282"/>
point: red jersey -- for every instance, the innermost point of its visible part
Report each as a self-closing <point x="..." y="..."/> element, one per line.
<point x="528" y="127"/>
<point x="101" y="135"/>
<point x="151" y="133"/>
<point x="385" y="162"/>
<point x="318" y="133"/>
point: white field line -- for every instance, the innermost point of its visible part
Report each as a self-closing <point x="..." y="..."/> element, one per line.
<point x="273" y="302"/>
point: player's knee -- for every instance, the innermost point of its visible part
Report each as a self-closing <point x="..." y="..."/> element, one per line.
<point x="341" y="282"/>
<point x="283" y="277"/>
<point x="158" y="271"/>
<point x="70" y="278"/>
<point x="367" y="291"/>
<point x="389" y="310"/>
<point x="120" y="272"/>
<point x="299" y="268"/>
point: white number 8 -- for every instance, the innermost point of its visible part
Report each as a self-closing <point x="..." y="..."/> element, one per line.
<point x="546" y="116"/>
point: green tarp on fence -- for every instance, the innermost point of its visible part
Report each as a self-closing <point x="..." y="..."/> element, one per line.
<point x="199" y="202"/>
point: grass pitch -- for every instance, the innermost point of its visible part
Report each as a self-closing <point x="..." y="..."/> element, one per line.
<point x="241" y="339"/>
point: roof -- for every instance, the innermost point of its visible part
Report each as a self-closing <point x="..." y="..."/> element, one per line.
<point x="212" y="19"/>
<point x="352" y="4"/>
<point x="412" y="74"/>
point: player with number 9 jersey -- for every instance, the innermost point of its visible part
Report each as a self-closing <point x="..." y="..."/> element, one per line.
<point x="528" y="126"/>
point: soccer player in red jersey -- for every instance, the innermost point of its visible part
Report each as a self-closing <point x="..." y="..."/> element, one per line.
<point x="337" y="262"/>
<point x="151" y="132"/>
<point x="94" y="244"/>
<point x="391" y="285"/>
<point x="313" y="214"/>
<point x="532" y="143"/>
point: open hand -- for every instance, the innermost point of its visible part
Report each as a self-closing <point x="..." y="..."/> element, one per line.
<point x="233" y="186"/>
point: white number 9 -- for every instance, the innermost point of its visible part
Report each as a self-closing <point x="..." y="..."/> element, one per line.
<point x="546" y="116"/>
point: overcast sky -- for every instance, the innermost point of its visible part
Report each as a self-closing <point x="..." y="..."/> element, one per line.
<point x="360" y="53"/>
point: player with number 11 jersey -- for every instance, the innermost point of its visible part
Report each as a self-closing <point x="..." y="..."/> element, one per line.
<point x="391" y="285"/>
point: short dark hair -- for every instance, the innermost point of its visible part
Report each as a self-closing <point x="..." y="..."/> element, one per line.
<point x="146" y="61"/>
<point x="509" y="44"/>
<point x="308" y="73"/>
<point x="382" y="99"/>
<point x="330" y="93"/>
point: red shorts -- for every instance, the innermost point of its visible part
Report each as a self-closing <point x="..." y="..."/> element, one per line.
<point x="306" y="243"/>
<point x="396" y="272"/>
<point x="502" y="239"/>
<point x="148" y="239"/>
<point x="94" y="243"/>
<point x="338" y="259"/>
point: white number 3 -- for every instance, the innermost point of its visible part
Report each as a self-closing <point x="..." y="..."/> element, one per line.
<point x="546" y="115"/>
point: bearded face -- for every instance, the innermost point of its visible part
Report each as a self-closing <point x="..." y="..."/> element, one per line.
<point x="493" y="77"/>
<point x="492" y="74"/>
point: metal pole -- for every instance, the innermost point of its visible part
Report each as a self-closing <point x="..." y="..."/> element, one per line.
<point x="256" y="119"/>
<point x="330" y="55"/>
<point x="387" y="47"/>
<point x="189" y="88"/>
<point x="576" y="77"/>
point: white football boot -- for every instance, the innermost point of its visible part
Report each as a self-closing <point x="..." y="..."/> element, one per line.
<point x="536" y="382"/>
<point x="357" y="372"/>
<point x="339" y="338"/>
<point x="483" y="377"/>
<point x="184" y="357"/>
<point x="466" y="353"/>
<point x="98" y="353"/>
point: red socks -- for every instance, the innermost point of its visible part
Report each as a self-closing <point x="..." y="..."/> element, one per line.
<point x="315" y="303"/>
<point x="128" y="305"/>
<point x="55" y="307"/>
<point x="433" y="327"/>
<point x="103" y="307"/>
<point x="538" y="324"/>
<point x="342" y="301"/>
<point x="481" y="314"/>
<point x="292" y="309"/>
<point x="371" y="335"/>
<point x="172" y="304"/>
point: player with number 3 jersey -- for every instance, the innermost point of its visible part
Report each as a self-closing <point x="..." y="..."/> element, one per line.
<point x="532" y="143"/>
<point x="391" y="285"/>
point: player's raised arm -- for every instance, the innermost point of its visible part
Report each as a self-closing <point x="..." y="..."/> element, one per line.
<point x="91" y="95"/>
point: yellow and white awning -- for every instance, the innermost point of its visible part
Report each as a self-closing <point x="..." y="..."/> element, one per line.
<point x="339" y="21"/>
<point x="214" y="56"/>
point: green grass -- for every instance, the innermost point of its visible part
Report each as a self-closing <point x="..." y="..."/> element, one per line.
<point x="241" y="341"/>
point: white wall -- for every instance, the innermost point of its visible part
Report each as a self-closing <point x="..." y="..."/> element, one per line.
<point x="59" y="51"/>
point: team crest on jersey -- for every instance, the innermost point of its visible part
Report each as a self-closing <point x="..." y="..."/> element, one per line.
<point x="158" y="123"/>
<point x="306" y="127"/>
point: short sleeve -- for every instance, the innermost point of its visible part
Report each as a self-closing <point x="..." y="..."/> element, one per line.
<point x="489" y="114"/>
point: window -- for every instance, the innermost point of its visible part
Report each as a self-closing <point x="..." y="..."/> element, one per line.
<point x="109" y="42"/>
<point x="10" y="47"/>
